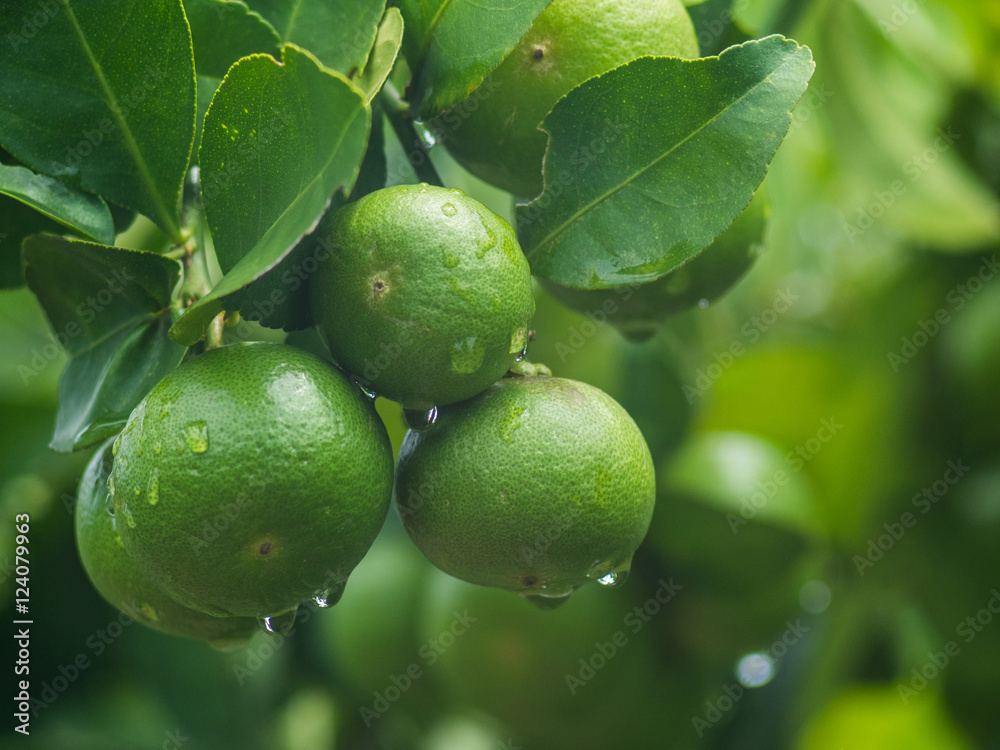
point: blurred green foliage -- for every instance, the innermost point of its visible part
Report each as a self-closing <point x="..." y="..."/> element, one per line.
<point x="806" y="429"/>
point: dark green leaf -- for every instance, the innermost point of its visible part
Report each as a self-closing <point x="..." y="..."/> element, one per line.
<point x="100" y="386"/>
<point x="648" y="163"/>
<point x="18" y="222"/>
<point x="383" y="55"/>
<point x="339" y="32"/>
<point x="81" y="212"/>
<point x="223" y="31"/>
<point x="102" y="96"/>
<point x="110" y="309"/>
<point x="279" y="141"/>
<point x="452" y="45"/>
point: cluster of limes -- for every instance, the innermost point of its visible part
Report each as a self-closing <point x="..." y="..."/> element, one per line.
<point x="256" y="476"/>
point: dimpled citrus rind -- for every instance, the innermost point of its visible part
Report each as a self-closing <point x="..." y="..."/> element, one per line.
<point x="250" y="479"/>
<point x="494" y="134"/>
<point x="426" y="297"/>
<point x="535" y="485"/>
<point x="638" y="311"/>
<point x="119" y="581"/>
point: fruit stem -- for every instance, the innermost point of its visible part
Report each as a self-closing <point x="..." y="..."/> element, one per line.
<point x="417" y="151"/>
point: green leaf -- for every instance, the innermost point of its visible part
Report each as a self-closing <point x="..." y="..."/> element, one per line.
<point x="648" y="163"/>
<point x="383" y="55"/>
<point x="223" y="31"/>
<point x="109" y="307"/>
<point x="102" y="96"/>
<point x="81" y="212"/>
<point x="339" y="32"/>
<point x="452" y="45"/>
<point x="18" y="222"/>
<point x="279" y="141"/>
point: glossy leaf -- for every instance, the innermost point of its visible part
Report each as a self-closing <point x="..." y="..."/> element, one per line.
<point x="279" y="141"/>
<point x="383" y="54"/>
<point x="18" y="222"/>
<point x="102" y="96"/>
<point x="109" y="308"/>
<point x="452" y="45"/>
<point x="339" y="33"/>
<point x="81" y="212"/>
<point x="648" y="163"/>
<point x="223" y="31"/>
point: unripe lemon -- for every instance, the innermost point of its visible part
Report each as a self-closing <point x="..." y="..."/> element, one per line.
<point x="119" y="581"/>
<point x="494" y="134"/>
<point x="426" y="295"/>
<point x="250" y="479"/>
<point x="537" y="485"/>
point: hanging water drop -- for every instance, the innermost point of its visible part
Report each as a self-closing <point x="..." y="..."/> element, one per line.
<point x="365" y="390"/>
<point x="329" y="597"/>
<point x="420" y="421"/>
<point x="522" y="355"/>
<point x="546" y="602"/>
<point x="278" y="624"/>
<point x="428" y="138"/>
<point x="610" y="575"/>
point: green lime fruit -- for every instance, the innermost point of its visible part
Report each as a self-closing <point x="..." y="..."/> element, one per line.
<point x="537" y="485"/>
<point x="426" y="297"/>
<point x="119" y="581"/>
<point x="250" y="479"/>
<point x="494" y="133"/>
<point x="639" y="311"/>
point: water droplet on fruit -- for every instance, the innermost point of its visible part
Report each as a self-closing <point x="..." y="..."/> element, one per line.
<point x="128" y="517"/>
<point x="420" y="421"/>
<point x="448" y="209"/>
<point x="158" y="448"/>
<point x="519" y="342"/>
<point x="522" y="355"/>
<point x="610" y="574"/>
<point x="703" y="303"/>
<point x="153" y="487"/>
<point x="278" y="624"/>
<point x="109" y="501"/>
<point x="114" y="447"/>
<point x="456" y="191"/>
<point x="148" y="612"/>
<point x="365" y="390"/>
<point x="488" y="243"/>
<point x="196" y="436"/>
<point x="510" y="423"/>
<point x="329" y="597"/>
<point x="449" y="259"/>
<point x="545" y="601"/>
<point x="466" y="356"/>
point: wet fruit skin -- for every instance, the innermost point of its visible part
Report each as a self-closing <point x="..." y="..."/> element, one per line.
<point x="639" y="311"/>
<point x="537" y="485"/>
<point x="494" y="133"/>
<point x="250" y="479"/>
<point x="119" y="581"/>
<point x="426" y="297"/>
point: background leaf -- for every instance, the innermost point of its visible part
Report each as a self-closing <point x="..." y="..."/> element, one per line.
<point x="102" y="96"/>
<point x="383" y="54"/>
<point x="648" y="163"/>
<point x="339" y="33"/>
<point x="279" y="140"/>
<point x="81" y="212"/>
<point x="110" y="309"/>
<point x="223" y="31"/>
<point x="452" y="45"/>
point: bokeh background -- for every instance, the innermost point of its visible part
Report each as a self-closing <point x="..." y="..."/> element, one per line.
<point x="823" y="567"/>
